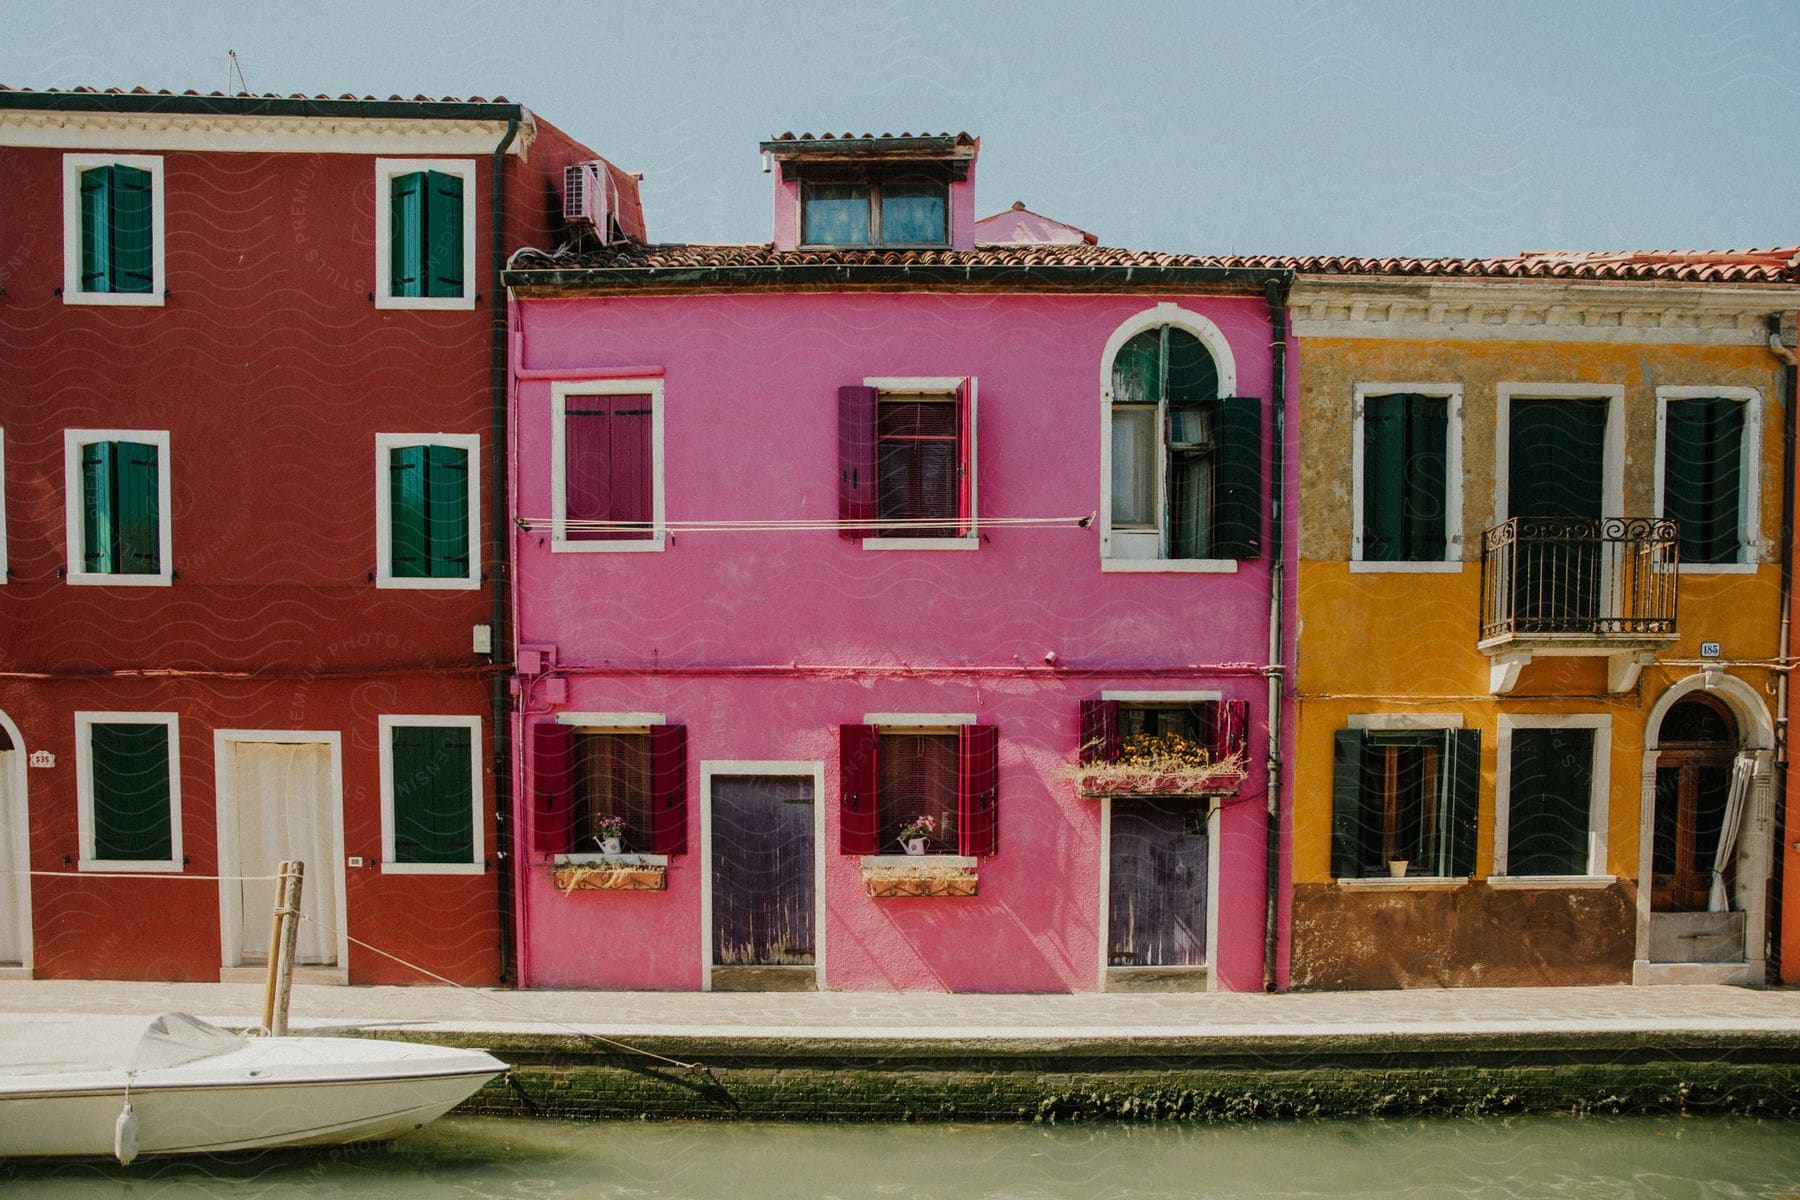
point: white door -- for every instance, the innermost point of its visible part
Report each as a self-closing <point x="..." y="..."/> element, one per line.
<point x="12" y="940"/>
<point x="281" y="796"/>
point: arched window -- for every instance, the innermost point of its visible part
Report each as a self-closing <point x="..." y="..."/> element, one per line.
<point x="1186" y="463"/>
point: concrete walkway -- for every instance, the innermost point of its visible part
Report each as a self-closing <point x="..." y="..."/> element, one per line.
<point x="935" y="1017"/>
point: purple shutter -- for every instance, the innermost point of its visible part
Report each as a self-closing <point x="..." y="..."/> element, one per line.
<point x="965" y="457"/>
<point x="1230" y="732"/>
<point x="856" y="799"/>
<point x="978" y="789"/>
<point x="668" y="789"/>
<point x="1100" y="738"/>
<point x="856" y="461"/>
<point x="587" y="463"/>
<point x="552" y="795"/>
<point x="633" y="472"/>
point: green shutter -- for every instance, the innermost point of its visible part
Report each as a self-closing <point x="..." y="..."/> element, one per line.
<point x="133" y="248"/>
<point x="138" y="498"/>
<point x="98" y="514"/>
<point x="443" y="235"/>
<point x="1464" y="778"/>
<point x="1548" y="801"/>
<point x="432" y="795"/>
<point x="447" y="511"/>
<point x="96" y="229"/>
<point x="1385" y="490"/>
<point x="407" y="529"/>
<point x="1237" y="506"/>
<point x="132" y="819"/>
<point x="406" y="259"/>
<point x="1702" y="443"/>
<point x="1346" y="803"/>
<point x="1426" y="491"/>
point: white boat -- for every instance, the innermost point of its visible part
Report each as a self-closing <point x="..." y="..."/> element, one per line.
<point x="124" y="1086"/>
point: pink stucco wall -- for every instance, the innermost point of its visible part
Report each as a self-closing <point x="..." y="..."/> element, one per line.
<point x="763" y="643"/>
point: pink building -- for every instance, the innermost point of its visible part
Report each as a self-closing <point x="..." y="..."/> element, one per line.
<point x="881" y="538"/>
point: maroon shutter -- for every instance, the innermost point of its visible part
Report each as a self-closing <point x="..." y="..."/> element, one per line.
<point x="1230" y="732"/>
<point x="668" y="789"/>
<point x="856" y="801"/>
<point x="978" y="789"/>
<point x="965" y="458"/>
<point x="633" y="472"/>
<point x="1100" y="738"/>
<point x="856" y="461"/>
<point x="553" y="790"/>
<point x="587" y="463"/>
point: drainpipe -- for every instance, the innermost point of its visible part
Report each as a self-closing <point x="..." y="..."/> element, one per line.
<point x="1788" y="422"/>
<point x="1276" y="294"/>
<point x="498" y="570"/>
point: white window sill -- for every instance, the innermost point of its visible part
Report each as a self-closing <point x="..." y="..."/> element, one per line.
<point x="451" y="303"/>
<point x="1551" y="881"/>
<point x="156" y="866"/>
<point x="921" y="543"/>
<point x="612" y="860"/>
<point x="920" y="860"/>
<point x="424" y="584"/>
<point x="1717" y="568"/>
<point x="1364" y="567"/>
<point x="632" y="546"/>
<point x="395" y="868"/>
<point x="86" y="579"/>
<point x="1171" y="566"/>
<point x="116" y="299"/>
<point x="1405" y="883"/>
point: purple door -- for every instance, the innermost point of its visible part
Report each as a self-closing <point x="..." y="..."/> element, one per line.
<point x="1157" y="898"/>
<point x="762" y="870"/>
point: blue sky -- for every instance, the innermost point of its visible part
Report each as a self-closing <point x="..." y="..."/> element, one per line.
<point x="1351" y="127"/>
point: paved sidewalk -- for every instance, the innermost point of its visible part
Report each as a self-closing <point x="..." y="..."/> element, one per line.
<point x="939" y="1017"/>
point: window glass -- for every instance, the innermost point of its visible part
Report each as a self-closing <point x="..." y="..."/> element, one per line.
<point x="1405" y="797"/>
<point x="1137" y="371"/>
<point x="917" y="778"/>
<point x="1702" y="471"/>
<point x="612" y="779"/>
<point x="1405" y="451"/>
<point x="912" y="212"/>
<point x="1134" y="467"/>
<point x="433" y="794"/>
<point x="132" y="817"/>
<point x="1190" y="371"/>
<point x="608" y="471"/>
<point x="917" y="457"/>
<point x="835" y="214"/>
<point x="1552" y="787"/>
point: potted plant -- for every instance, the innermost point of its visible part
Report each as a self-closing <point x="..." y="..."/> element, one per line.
<point x="916" y="832"/>
<point x="611" y="834"/>
<point x="1159" y="764"/>
<point x="1397" y="867"/>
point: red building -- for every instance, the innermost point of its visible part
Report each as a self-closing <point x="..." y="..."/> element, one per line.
<point x="253" y="352"/>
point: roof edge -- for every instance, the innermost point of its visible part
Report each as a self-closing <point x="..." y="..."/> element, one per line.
<point x="171" y="104"/>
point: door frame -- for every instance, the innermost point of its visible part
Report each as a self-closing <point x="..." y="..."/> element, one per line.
<point x="1612" y="462"/>
<point x="230" y="918"/>
<point x="19" y="829"/>
<point x="1211" y="968"/>
<point x="813" y="770"/>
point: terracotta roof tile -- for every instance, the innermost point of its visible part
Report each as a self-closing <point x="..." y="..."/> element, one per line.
<point x="144" y="91"/>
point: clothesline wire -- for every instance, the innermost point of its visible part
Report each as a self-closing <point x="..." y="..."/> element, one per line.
<point x="144" y="875"/>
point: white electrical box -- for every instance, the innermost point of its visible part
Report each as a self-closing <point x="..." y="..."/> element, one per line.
<point x="484" y="639"/>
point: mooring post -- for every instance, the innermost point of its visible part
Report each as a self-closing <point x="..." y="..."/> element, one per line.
<point x="293" y="881"/>
<point x="269" y="985"/>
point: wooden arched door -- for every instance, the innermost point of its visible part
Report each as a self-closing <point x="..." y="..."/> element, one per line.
<point x="1696" y="745"/>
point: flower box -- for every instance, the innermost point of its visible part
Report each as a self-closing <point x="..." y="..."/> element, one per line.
<point x="624" y="873"/>
<point x="1122" y="781"/>
<point x="923" y="880"/>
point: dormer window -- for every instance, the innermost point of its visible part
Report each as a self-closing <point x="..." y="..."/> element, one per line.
<point x="894" y="210"/>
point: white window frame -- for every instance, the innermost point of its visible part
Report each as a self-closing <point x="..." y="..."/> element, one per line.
<point x="1213" y="338"/>
<point x="560" y="392"/>
<point x="5" y="565"/>
<point x="1408" y="722"/>
<point x="1612" y="478"/>
<point x="386" y="724"/>
<point x="84" y="790"/>
<point x="386" y="171"/>
<point x="1598" y="797"/>
<point x="940" y="384"/>
<point x="1452" y="395"/>
<point x="73" y="441"/>
<point x="1749" y="472"/>
<point x="73" y="166"/>
<point x="385" y="443"/>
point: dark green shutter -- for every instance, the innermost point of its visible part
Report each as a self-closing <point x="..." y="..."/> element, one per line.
<point x="443" y="235"/>
<point x="407" y="540"/>
<point x="1702" y="446"/>
<point x="433" y="794"/>
<point x="1464" y="775"/>
<point x="1547" y="808"/>
<point x="1427" y="446"/>
<point x="133" y="249"/>
<point x="1385" y="490"/>
<point x="447" y="511"/>
<point x="1237" y="504"/>
<point x="98" y="515"/>
<point x="132" y="820"/>
<point x="138" y="499"/>
<point x="96" y="229"/>
<point x="406" y="259"/>
<point x="1346" y="803"/>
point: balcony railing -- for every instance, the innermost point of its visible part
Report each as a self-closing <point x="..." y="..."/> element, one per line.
<point x="1606" y="579"/>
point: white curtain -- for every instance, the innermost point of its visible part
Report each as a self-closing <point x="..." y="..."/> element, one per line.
<point x="282" y="800"/>
<point x="1742" y="769"/>
<point x="11" y="947"/>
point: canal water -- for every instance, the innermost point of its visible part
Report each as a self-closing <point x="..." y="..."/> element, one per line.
<point x="473" y="1158"/>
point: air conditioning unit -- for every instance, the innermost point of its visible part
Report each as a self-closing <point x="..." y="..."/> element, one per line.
<point x="591" y="198"/>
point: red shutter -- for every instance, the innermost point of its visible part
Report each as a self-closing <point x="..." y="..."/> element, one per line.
<point x="978" y="789"/>
<point x="552" y="795"/>
<point x="1100" y="738"/>
<point x="856" y="800"/>
<point x="856" y="461"/>
<point x="1230" y="733"/>
<point x="633" y="472"/>
<point x="668" y="789"/>
<point x="965" y="458"/>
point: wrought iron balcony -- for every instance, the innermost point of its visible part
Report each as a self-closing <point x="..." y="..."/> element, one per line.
<point x="1599" y="586"/>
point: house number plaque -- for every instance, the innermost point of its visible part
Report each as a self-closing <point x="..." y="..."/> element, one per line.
<point x="1709" y="649"/>
<point x="42" y="758"/>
